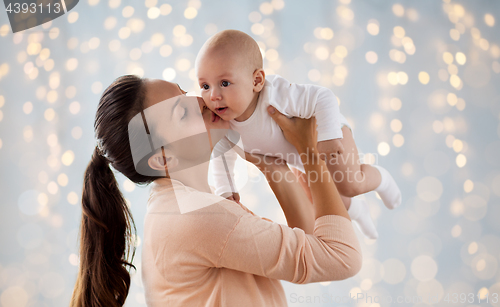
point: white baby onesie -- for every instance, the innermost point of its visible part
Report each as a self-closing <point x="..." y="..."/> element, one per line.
<point x="261" y="134"/>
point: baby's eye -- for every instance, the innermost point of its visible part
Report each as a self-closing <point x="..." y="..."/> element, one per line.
<point x="205" y="86"/>
<point x="225" y="83"/>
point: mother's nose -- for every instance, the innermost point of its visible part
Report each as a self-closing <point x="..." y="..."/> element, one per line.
<point x="202" y="104"/>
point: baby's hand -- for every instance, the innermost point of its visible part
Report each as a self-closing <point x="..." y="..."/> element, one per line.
<point x="330" y="147"/>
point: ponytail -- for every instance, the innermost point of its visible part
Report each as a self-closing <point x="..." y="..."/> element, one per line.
<point x="107" y="227"/>
<point x="106" y="234"/>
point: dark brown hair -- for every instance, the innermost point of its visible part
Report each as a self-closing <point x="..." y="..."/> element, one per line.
<point x="107" y="228"/>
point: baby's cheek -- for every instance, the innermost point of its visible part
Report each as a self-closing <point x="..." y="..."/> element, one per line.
<point x="206" y="99"/>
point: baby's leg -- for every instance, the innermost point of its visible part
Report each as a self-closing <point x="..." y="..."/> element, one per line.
<point x="353" y="178"/>
<point x="356" y="208"/>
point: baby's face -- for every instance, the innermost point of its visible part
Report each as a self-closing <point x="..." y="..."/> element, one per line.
<point x="226" y="84"/>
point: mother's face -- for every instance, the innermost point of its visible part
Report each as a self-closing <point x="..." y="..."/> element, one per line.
<point x="180" y="124"/>
<point x="160" y="90"/>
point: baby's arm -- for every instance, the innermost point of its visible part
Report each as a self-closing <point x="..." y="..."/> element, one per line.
<point x="306" y="100"/>
<point x="327" y="112"/>
<point x="329" y="127"/>
<point x="223" y="161"/>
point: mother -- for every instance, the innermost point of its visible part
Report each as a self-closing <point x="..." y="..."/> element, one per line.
<point x="217" y="255"/>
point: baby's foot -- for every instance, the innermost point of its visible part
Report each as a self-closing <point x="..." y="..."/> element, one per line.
<point x="360" y="213"/>
<point x="388" y="189"/>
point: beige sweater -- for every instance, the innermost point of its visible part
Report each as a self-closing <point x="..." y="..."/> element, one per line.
<point x="225" y="255"/>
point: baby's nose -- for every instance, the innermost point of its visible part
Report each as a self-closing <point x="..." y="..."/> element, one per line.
<point x="215" y="95"/>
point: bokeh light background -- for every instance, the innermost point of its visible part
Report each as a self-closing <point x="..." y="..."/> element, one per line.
<point x="419" y="81"/>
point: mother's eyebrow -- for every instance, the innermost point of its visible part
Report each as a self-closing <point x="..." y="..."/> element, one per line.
<point x="175" y="104"/>
<point x="182" y="91"/>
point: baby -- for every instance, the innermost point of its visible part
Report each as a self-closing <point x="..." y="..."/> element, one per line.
<point x="233" y="84"/>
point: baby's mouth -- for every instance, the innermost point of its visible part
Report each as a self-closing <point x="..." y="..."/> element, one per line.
<point x="221" y="110"/>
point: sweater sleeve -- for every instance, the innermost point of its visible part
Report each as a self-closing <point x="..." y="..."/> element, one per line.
<point x="306" y="100"/>
<point x="276" y="251"/>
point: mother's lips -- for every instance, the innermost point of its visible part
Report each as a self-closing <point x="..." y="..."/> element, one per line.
<point x="215" y="118"/>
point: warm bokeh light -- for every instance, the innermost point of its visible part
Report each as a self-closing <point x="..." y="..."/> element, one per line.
<point x="371" y="57"/>
<point x="460" y="58"/>
<point x="373" y="27"/>
<point x="461" y="160"/>
<point x="468" y="186"/>
<point x="73" y="17"/>
<point x="489" y="20"/>
<point x="423" y="77"/>
<point x="169" y="74"/>
<point x="398" y="140"/>
<point x="396" y="125"/>
<point x="383" y="148"/>
<point x="398" y="10"/>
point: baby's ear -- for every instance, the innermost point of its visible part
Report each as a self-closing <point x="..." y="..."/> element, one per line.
<point x="259" y="78"/>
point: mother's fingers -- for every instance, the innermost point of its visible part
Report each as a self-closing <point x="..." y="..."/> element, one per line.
<point x="299" y="132"/>
<point x="279" y="118"/>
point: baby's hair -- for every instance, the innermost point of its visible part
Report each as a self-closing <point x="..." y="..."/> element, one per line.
<point x="236" y="42"/>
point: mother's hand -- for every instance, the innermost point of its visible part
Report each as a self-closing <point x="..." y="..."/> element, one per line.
<point x="303" y="135"/>
<point x="286" y="187"/>
<point x="300" y="132"/>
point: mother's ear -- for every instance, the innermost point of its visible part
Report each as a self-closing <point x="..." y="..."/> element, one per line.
<point x="259" y="78"/>
<point x="162" y="161"/>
